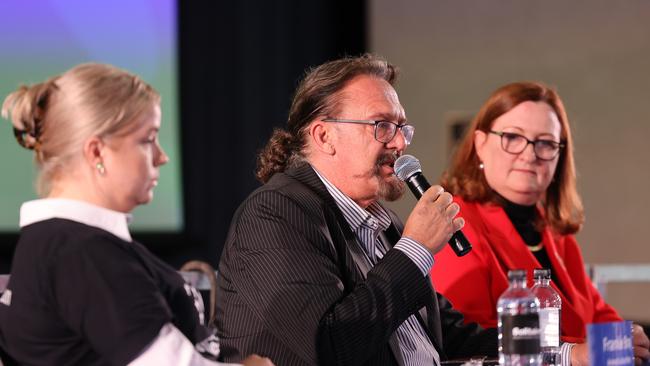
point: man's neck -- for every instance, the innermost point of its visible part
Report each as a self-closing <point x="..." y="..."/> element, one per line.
<point x="343" y="185"/>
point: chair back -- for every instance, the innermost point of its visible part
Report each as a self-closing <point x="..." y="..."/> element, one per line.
<point x="206" y="270"/>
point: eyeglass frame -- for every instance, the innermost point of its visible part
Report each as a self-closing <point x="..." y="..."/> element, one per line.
<point x="559" y="145"/>
<point x="376" y="123"/>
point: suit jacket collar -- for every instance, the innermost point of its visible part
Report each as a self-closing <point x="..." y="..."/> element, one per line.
<point x="335" y="226"/>
<point x="305" y="174"/>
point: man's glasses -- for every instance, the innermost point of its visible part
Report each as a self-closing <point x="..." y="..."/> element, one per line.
<point x="385" y="131"/>
<point x="515" y="143"/>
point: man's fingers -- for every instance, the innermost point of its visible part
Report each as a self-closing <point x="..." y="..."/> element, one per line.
<point x="641" y="352"/>
<point x="458" y="222"/>
<point x="453" y="210"/>
<point x="444" y="199"/>
<point x="640" y="338"/>
<point x="434" y="192"/>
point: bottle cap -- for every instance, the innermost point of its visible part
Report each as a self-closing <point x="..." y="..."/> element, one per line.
<point x="544" y="273"/>
<point x="516" y="274"/>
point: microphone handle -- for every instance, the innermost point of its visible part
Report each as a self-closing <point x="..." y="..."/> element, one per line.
<point x="458" y="242"/>
<point x="418" y="184"/>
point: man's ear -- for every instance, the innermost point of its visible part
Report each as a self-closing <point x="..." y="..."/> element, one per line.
<point x="323" y="135"/>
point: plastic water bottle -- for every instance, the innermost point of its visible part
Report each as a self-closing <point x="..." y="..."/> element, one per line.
<point x="550" y="306"/>
<point x="518" y="322"/>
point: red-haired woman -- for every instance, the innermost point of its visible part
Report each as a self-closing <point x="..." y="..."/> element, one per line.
<point x="514" y="178"/>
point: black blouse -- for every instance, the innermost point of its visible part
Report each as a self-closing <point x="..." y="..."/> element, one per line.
<point x="523" y="218"/>
<point x="83" y="296"/>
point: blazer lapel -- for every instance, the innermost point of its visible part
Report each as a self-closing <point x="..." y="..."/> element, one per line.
<point x="349" y="251"/>
<point x="511" y="251"/>
<point x="573" y="301"/>
<point x="337" y="230"/>
<point x="429" y="315"/>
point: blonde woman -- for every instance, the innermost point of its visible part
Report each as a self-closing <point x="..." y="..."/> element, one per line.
<point x="82" y="292"/>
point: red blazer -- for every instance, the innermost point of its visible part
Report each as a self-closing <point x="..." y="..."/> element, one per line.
<point x="474" y="282"/>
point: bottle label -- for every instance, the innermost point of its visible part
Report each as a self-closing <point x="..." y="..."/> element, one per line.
<point x="520" y="334"/>
<point x="549" y="323"/>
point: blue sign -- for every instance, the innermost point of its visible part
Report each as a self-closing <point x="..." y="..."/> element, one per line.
<point x="610" y="344"/>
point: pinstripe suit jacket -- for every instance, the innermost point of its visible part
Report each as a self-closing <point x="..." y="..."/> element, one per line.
<point x="290" y="290"/>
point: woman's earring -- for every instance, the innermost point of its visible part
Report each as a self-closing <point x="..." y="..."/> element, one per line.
<point x="100" y="168"/>
<point x="481" y="166"/>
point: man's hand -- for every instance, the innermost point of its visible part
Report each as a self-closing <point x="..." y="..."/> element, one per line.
<point x="255" y="360"/>
<point x="580" y="355"/>
<point x="433" y="220"/>
<point x="641" y="345"/>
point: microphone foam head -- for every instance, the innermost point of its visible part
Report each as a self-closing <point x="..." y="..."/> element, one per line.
<point x="406" y="166"/>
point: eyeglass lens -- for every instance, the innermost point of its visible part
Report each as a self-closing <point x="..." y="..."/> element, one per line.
<point x="515" y="144"/>
<point x="385" y="131"/>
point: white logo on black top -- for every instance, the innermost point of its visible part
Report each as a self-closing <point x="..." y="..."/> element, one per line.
<point x="6" y="298"/>
<point x="198" y="301"/>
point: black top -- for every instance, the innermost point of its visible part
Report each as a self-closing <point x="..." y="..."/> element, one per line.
<point x="523" y="218"/>
<point x="82" y="296"/>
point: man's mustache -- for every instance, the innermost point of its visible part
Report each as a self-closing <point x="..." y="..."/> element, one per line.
<point x="387" y="158"/>
<point x="384" y="158"/>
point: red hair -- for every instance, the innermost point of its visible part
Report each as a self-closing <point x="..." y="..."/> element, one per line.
<point x="562" y="204"/>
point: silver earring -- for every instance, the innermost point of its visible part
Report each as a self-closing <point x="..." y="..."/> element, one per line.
<point x="481" y="166"/>
<point x="100" y="168"/>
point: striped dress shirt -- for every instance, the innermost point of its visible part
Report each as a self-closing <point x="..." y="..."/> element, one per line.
<point x="415" y="346"/>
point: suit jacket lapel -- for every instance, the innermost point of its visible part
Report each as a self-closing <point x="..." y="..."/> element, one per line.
<point x="429" y="315"/>
<point x="349" y="250"/>
<point x="343" y="240"/>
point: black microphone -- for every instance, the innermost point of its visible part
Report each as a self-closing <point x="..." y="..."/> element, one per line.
<point x="409" y="170"/>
